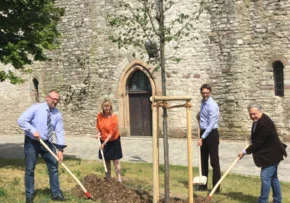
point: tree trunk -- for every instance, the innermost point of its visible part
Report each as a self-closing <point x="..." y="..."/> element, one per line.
<point x="163" y="79"/>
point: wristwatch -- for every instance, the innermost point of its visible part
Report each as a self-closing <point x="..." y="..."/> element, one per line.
<point x="61" y="150"/>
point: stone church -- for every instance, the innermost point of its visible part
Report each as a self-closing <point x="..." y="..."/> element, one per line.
<point x="240" y="47"/>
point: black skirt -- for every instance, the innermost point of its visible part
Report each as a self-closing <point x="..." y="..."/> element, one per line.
<point x="112" y="150"/>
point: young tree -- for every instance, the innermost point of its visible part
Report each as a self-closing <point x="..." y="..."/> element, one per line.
<point x="145" y="22"/>
<point x="27" y="27"/>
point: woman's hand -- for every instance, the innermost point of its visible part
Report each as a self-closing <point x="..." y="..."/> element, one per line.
<point x="103" y="145"/>
<point x="98" y="135"/>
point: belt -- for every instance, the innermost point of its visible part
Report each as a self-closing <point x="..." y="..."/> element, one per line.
<point x="35" y="140"/>
<point x="211" y="130"/>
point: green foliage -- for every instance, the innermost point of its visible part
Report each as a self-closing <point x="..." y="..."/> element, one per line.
<point x="124" y="171"/>
<point x="143" y="23"/>
<point x="157" y="68"/>
<point x="176" y="59"/>
<point x="27" y="28"/>
<point x="13" y="79"/>
<point x="2" y="192"/>
<point x="133" y="27"/>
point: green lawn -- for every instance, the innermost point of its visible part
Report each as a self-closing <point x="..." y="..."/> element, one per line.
<point x="235" y="188"/>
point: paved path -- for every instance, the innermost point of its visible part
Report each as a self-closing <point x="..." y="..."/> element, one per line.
<point x="139" y="149"/>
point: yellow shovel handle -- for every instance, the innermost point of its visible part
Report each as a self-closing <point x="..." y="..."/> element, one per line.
<point x="225" y="174"/>
<point x="102" y="153"/>
<point x="66" y="168"/>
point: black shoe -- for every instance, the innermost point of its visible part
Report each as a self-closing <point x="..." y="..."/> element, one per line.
<point x="200" y="188"/>
<point x="29" y="199"/>
<point x="59" y="198"/>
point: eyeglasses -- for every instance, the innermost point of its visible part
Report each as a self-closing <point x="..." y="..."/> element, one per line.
<point x="205" y="92"/>
<point x="54" y="99"/>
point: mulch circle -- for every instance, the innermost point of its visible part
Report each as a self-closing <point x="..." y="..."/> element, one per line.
<point x="112" y="191"/>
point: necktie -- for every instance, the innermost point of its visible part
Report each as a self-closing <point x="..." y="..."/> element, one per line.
<point x="49" y="126"/>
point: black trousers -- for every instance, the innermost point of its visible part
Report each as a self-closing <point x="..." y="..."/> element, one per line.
<point x="210" y="148"/>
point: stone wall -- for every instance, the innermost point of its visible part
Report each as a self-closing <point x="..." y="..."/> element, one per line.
<point x="14" y="99"/>
<point x="251" y="35"/>
<point x="232" y="47"/>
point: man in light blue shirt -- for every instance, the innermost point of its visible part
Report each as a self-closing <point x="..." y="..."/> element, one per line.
<point x="37" y="122"/>
<point x="209" y="140"/>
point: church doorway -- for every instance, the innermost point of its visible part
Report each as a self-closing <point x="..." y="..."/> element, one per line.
<point x="140" y="91"/>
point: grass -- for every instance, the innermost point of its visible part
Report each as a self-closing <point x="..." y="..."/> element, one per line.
<point x="235" y="188"/>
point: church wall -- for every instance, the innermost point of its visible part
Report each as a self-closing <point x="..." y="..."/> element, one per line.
<point x="232" y="47"/>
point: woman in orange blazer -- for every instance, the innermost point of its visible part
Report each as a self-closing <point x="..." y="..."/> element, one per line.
<point x="107" y="130"/>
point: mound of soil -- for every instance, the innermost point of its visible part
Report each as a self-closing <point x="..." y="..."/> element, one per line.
<point x="112" y="191"/>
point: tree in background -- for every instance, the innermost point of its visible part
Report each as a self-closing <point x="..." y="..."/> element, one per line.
<point x="145" y="23"/>
<point x="27" y="28"/>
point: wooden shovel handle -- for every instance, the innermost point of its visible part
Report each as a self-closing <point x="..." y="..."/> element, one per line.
<point x="102" y="153"/>
<point x="199" y="153"/>
<point x="225" y="174"/>
<point x="66" y="168"/>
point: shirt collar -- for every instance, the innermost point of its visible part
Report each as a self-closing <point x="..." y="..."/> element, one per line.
<point x="204" y="102"/>
<point x="47" y="107"/>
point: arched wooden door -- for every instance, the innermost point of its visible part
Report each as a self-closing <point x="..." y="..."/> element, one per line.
<point x="140" y="104"/>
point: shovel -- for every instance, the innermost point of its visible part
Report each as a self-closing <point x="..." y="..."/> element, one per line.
<point x="80" y="184"/>
<point x="103" y="159"/>
<point x="225" y="174"/>
<point x="199" y="180"/>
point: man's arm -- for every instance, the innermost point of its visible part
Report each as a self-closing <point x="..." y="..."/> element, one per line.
<point x="198" y="116"/>
<point x="24" y="120"/>
<point x="59" y="132"/>
<point x="213" y="119"/>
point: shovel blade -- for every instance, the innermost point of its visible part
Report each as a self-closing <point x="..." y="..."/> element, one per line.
<point x="200" y="180"/>
<point x="88" y="195"/>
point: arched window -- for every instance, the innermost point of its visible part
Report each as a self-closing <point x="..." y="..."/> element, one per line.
<point x="35" y="84"/>
<point x="278" y="78"/>
<point x="139" y="82"/>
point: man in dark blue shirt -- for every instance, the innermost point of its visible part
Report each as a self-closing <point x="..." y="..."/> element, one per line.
<point x="209" y="140"/>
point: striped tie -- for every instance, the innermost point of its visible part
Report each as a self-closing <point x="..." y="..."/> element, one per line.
<point x="49" y="126"/>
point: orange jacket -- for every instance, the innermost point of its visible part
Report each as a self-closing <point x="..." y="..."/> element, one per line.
<point x="107" y="126"/>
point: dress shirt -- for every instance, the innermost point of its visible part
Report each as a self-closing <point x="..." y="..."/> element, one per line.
<point x="35" y="119"/>
<point x="209" y="115"/>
